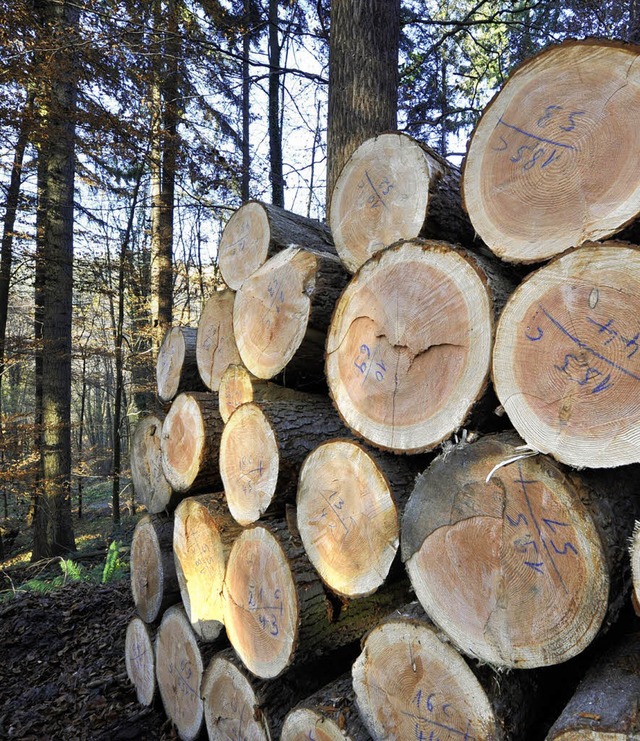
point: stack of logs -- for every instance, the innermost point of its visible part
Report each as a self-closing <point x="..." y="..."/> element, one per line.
<point x="297" y="577"/>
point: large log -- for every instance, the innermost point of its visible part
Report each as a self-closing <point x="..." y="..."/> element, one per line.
<point x="176" y="366"/>
<point x="522" y="570"/>
<point x="256" y="231"/>
<point x="635" y="566"/>
<point x="276" y="612"/>
<point x="203" y="534"/>
<point x="191" y="443"/>
<point x="347" y="509"/>
<point x="547" y="166"/>
<point x="328" y="715"/>
<point x="409" y="348"/>
<point x="180" y="663"/>
<point x="149" y="482"/>
<point x="215" y="342"/>
<point x="154" y="583"/>
<point x="566" y="365"/>
<point x="139" y="660"/>
<point x="605" y="706"/>
<point x="410" y="683"/>
<point x="282" y="312"/>
<point x="394" y="188"/>
<point x="262" y="447"/>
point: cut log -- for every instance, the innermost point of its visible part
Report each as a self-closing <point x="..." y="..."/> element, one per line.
<point x="257" y="230"/>
<point x="566" y="365"/>
<point x="154" y="583"/>
<point x="635" y="567"/>
<point x="139" y="660"/>
<point x="275" y="608"/>
<point x="179" y="670"/>
<point x="328" y="715"/>
<point x="394" y="188"/>
<point x="411" y="684"/>
<point x="282" y="312"/>
<point x="191" y="443"/>
<point x="238" y="386"/>
<point x="545" y="169"/>
<point x="215" y="342"/>
<point x="240" y="706"/>
<point x="176" y="367"/>
<point x="605" y="705"/>
<point x="149" y="482"/>
<point x="263" y="446"/>
<point x="347" y="513"/>
<point x="522" y="571"/>
<point x="203" y="534"/>
<point x="409" y="347"/>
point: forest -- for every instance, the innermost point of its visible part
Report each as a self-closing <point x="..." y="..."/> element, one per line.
<point x="130" y="132"/>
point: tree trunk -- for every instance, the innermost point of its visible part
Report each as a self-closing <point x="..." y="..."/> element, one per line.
<point x="149" y="482"/>
<point x="275" y="132"/>
<point x="176" y="367"/>
<point x="154" y="583"/>
<point x="348" y="503"/>
<point x="53" y="527"/>
<point x="363" y="77"/>
<point x="411" y="683"/>
<point x="281" y="315"/>
<point x="191" y="443"/>
<point x="535" y="540"/>
<point x="394" y="188"/>
<point x="179" y="669"/>
<point x="605" y="705"/>
<point x="545" y="170"/>
<point x="246" y="102"/>
<point x="329" y="714"/>
<point x="215" y="343"/>
<point x="276" y="611"/>
<point x="566" y="364"/>
<point x="238" y="705"/>
<point x="256" y="231"/>
<point x="409" y="347"/>
<point x="140" y="660"/>
<point x="263" y="446"/>
<point x="203" y="534"/>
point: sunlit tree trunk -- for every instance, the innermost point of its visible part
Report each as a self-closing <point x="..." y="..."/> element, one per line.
<point x="275" y="131"/>
<point x="53" y="527"/>
<point x="363" y="77"/>
<point x="246" y="108"/>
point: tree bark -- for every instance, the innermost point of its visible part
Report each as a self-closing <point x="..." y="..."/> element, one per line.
<point x="281" y="315"/>
<point x="262" y="448"/>
<point x="605" y="705"/>
<point x="347" y="509"/>
<point x="190" y="443"/>
<point x="53" y="527"/>
<point x="566" y="364"/>
<point x="149" y="482"/>
<point x="544" y="169"/>
<point x="635" y="567"/>
<point x="411" y="683"/>
<point x="275" y="133"/>
<point x="215" y="343"/>
<point x="409" y="347"/>
<point x="176" y="367"/>
<point x="394" y="188"/>
<point x="524" y="570"/>
<point x="154" y="583"/>
<point x="276" y="612"/>
<point x="140" y="660"/>
<point x="203" y="534"/>
<point x="180" y="662"/>
<point x="363" y="77"/>
<point x="329" y="714"/>
<point x="257" y="230"/>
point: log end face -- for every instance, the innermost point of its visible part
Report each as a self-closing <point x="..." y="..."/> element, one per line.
<point x="235" y="389"/>
<point x="304" y="724"/>
<point x="171" y="357"/>
<point x="215" y="342"/>
<point x="183" y="442"/>
<point x="147" y="571"/>
<point x="149" y="482"/>
<point x="244" y="244"/>
<point x="140" y="661"/>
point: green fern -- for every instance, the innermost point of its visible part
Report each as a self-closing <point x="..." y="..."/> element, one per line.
<point x="113" y="566"/>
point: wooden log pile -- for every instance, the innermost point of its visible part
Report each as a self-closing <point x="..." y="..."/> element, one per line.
<point x="402" y="417"/>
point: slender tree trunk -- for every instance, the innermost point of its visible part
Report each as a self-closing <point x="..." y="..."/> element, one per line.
<point x="53" y="528"/>
<point x="275" y="132"/>
<point x="633" y="31"/>
<point x="83" y="403"/>
<point x="246" y="92"/>
<point x="363" y="77"/>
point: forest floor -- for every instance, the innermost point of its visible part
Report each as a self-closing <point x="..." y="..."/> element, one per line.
<point x="62" y="633"/>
